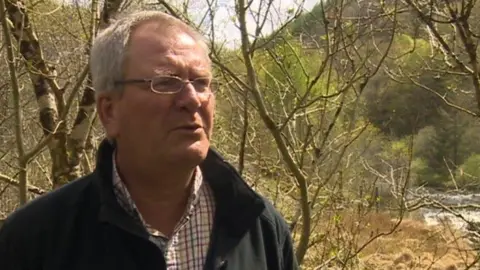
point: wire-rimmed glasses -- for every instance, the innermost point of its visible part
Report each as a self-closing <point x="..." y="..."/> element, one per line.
<point x="168" y="85"/>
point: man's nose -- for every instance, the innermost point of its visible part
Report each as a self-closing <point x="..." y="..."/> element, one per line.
<point x="188" y="98"/>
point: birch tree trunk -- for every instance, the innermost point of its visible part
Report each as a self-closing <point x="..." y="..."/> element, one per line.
<point x="67" y="144"/>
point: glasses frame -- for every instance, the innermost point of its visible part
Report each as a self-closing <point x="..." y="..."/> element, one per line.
<point x="151" y="80"/>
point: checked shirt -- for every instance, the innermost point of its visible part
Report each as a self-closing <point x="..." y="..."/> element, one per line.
<point x="188" y="246"/>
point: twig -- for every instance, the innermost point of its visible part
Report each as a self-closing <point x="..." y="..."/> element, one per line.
<point x="13" y="182"/>
<point x="17" y="108"/>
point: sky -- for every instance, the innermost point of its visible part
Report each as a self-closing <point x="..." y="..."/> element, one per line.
<point x="225" y="27"/>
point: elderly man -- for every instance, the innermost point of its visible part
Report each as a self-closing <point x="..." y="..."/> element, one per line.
<point x="160" y="197"/>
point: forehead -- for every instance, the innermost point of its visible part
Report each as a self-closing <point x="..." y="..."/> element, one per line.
<point x="155" y="49"/>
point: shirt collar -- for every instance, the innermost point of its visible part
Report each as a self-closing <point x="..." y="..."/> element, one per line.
<point x="237" y="205"/>
<point x="126" y="202"/>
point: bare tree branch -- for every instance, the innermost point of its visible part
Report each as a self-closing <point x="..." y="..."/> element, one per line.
<point x="13" y="182"/>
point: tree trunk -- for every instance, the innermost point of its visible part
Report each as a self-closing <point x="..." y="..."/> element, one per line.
<point x="50" y="98"/>
<point x="276" y="133"/>
<point x="86" y="111"/>
<point x="48" y="94"/>
<point x="22" y="164"/>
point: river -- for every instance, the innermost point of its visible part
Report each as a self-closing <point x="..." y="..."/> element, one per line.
<point x="433" y="216"/>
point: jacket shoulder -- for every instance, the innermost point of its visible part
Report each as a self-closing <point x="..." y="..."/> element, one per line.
<point x="274" y="217"/>
<point x="47" y="208"/>
<point x="30" y="230"/>
<point x="282" y="235"/>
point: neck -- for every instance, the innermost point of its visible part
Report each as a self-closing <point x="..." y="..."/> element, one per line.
<point x="156" y="185"/>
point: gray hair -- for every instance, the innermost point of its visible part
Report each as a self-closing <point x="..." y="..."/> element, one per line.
<point x="109" y="50"/>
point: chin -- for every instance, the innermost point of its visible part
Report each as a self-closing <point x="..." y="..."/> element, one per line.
<point x="193" y="154"/>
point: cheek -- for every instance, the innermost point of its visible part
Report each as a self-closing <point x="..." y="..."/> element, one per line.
<point x="209" y="115"/>
<point x="147" y="116"/>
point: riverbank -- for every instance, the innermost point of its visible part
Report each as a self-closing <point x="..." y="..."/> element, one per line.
<point x="412" y="245"/>
<point x="466" y="207"/>
<point x="417" y="245"/>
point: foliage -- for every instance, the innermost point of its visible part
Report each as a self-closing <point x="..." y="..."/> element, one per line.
<point x="468" y="174"/>
<point x="310" y="23"/>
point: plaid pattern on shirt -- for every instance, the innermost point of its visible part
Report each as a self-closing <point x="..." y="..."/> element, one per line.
<point x="188" y="246"/>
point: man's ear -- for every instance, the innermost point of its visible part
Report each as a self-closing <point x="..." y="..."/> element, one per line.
<point x="107" y="109"/>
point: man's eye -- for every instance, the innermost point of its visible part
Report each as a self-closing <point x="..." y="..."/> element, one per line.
<point x="202" y="83"/>
<point x="165" y="82"/>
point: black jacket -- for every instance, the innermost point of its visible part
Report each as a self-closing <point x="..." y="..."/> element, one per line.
<point x="81" y="226"/>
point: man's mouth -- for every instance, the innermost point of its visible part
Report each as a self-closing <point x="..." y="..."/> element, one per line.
<point x="191" y="127"/>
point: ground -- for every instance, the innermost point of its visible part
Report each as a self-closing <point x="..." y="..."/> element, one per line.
<point x="413" y="245"/>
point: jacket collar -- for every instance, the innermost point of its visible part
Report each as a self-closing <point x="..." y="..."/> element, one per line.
<point x="237" y="205"/>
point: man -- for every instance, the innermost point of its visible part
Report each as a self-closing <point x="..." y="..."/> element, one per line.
<point x="160" y="197"/>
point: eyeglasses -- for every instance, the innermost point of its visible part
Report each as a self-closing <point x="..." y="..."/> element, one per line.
<point x="168" y="85"/>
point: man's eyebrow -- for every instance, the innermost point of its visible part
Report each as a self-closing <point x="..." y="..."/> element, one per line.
<point x="165" y="71"/>
<point x="170" y="69"/>
<point x="202" y="73"/>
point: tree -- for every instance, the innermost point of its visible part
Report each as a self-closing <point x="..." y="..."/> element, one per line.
<point x="451" y="32"/>
<point x="64" y="134"/>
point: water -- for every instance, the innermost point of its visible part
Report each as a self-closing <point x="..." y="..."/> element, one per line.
<point x="435" y="216"/>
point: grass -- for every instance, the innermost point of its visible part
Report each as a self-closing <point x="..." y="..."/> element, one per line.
<point x="338" y="233"/>
<point x="412" y="245"/>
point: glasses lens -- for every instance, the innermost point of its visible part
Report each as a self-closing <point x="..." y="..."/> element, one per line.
<point x="214" y="85"/>
<point x="170" y="84"/>
<point x="201" y="84"/>
<point x="166" y="84"/>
